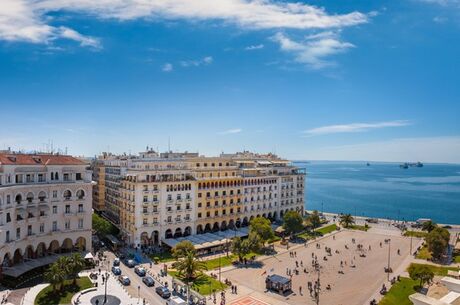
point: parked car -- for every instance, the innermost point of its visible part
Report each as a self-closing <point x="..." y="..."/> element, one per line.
<point x="148" y="280"/>
<point x="139" y="270"/>
<point x="130" y="263"/>
<point x="163" y="292"/>
<point x="116" y="262"/>
<point x="124" y="280"/>
<point x="116" y="270"/>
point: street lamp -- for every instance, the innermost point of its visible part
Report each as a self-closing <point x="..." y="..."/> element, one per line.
<point x="388" y="268"/>
<point x="139" y="293"/>
<point x="105" y="284"/>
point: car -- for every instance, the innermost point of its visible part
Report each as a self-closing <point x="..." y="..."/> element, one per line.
<point x="116" y="270"/>
<point x="124" y="280"/>
<point x="130" y="263"/>
<point x="116" y="262"/>
<point x="148" y="280"/>
<point x="139" y="271"/>
<point x="163" y="292"/>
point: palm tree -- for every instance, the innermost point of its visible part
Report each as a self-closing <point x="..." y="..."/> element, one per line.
<point x="55" y="275"/>
<point x="346" y="220"/>
<point x="77" y="263"/>
<point x="189" y="267"/>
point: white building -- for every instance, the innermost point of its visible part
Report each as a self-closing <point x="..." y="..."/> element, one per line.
<point x="451" y="298"/>
<point x="45" y="209"/>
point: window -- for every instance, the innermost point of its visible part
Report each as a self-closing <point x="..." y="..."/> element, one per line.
<point x="169" y="218"/>
<point x="8" y="199"/>
<point x="78" y="176"/>
<point x="169" y="197"/>
<point x="146" y="199"/>
<point x="66" y="177"/>
<point x="199" y="195"/>
<point x="29" y="230"/>
<point x="67" y="194"/>
<point x="80" y="194"/>
<point x="8" y="217"/>
<point x="199" y="215"/>
<point x="42" y="228"/>
<point x="146" y="188"/>
<point x="144" y="221"/>
<point x="144" y="210"/>
<point x="208" y="214"/>
<point x="80" y="208"/>
<point x="55" y="227"/>
<point x="7" y="236"/>
<point x="41" y="178"/>
<point x="18" y="233"/>
<point x="216" y="213"/>
<point x="67" y="225"/>
<point x="55" y="193"/>
<point x="80" y="223"/>
<point x="54" y="209"/>
<point x="67" y="209"/>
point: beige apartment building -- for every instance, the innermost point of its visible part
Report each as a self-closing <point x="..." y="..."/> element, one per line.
<point x="158" y="197"/>
<point x="45" y="209"/>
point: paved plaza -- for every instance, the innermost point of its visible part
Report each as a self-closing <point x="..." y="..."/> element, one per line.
<point x="361" y="277"/>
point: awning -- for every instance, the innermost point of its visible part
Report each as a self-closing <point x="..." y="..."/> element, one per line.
<point x="264" y="162"/>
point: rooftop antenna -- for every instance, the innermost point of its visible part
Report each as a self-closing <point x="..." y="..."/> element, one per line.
<point x="169" y="144"/>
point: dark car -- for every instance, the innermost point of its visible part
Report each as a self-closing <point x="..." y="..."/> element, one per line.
<point x="163" y="292"/>
<point x="116" y="262"/>
<point x="139" y="271"/>
<point x="124" y="280"/>
<point x="116" y="270"/>
<point x="148" y="280"/>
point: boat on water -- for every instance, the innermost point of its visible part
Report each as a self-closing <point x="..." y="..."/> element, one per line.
<point x="368" y="164"/>
<point x="413" y="164"/>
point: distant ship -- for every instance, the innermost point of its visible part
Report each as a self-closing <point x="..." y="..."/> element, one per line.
<point x="368" y="164"/>
<point x="407" y="165"/>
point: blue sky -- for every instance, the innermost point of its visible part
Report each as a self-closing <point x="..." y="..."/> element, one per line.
<point x="337" y="80"/>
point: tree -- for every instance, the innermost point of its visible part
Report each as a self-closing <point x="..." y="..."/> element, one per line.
<point x="346" y="220"/>
<point x="189" y="267"/>
<point x="76" y="264"/>
<point x="55" y="275"/>
<point x="421" y="273"/>
<point x="314" y="219"/>
<point x="437" y="241"/>
<point x="292" y="222"/>
<point x="103" y="227"/>
<point x="262" y="227"/>
<point x="181" y="249"/>
<point x="429" y="226"/>
<point x="240" y="248"/>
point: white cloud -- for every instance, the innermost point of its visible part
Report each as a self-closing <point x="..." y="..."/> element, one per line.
<point x="440" y="19"/>
<point x="231" y="131"/>
<point x="425" y="149"/>
<point x="354" y="127"/>
<point x="167" y="67"/>
<point x="196" y="63"/>
<point x="27" y="20"/>
<point x="85" y="41"/>
<point x="314" y="49"/>
<point x="254" y="47"/>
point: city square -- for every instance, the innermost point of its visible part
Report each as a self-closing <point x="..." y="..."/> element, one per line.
<point x="353" y="287"/>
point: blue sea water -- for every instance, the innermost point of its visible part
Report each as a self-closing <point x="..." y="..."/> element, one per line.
<point x="384" y="190"/>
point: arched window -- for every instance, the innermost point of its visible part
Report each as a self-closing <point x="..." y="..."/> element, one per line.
<point x="18" y="198"/>
<point x="41" y="196"/>
<point x="67" y="194"/>
<point x="30" y="197"/>
<point x="80" y="194"/>
<point x="56" y="176"/>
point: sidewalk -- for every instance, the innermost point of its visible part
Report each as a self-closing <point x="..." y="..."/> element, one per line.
<point x="31" y="294"/>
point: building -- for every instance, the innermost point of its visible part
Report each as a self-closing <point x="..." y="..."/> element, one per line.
<point x="157" y="197"/>
<point x="452" y="296"/>
<point x="45" y="209"/>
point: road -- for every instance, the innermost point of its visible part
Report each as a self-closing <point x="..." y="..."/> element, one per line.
<point x="138" y="288"/>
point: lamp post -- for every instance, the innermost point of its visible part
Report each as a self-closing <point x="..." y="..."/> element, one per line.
<point x="105" y="286"/>
<point x="388" y="268"/>
<point x="139" y="293"/>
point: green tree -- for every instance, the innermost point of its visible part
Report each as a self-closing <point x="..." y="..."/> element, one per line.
<point x="292" y="222"/>
<point x="346" y="220"/>
<point x="55" y="275"/>
<point x="189" y="267"/>
<point x="103" y="227"/>
<point x="262" y="227"/>
<point x="437" y="241"/>
<point x="314" y="219"/>
<point x="420" y="273"/>
<point x="429" y="226"/>
<point x="181" y="249"/>
<point x="240" y="248"/>
<point x="76" y="264"/>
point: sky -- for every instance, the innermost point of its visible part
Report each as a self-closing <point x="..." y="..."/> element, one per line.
<point x="308" y="80"/>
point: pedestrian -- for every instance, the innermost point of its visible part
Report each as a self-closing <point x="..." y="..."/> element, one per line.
<point x="300" y="290"/>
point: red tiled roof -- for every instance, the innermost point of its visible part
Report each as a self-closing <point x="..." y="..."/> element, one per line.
<point x="40" y="159"/>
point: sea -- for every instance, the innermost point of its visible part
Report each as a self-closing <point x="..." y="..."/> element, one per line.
<point x="384" y="190"/>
